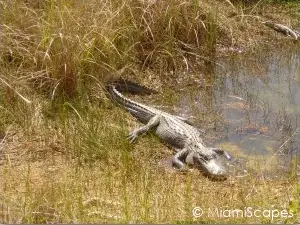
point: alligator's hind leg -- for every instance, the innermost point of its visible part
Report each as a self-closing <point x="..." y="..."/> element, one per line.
<point x="154" y="122"/>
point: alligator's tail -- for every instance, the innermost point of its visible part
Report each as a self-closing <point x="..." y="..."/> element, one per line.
<point x="129" y="87"/>
<point x="140" y="111"/>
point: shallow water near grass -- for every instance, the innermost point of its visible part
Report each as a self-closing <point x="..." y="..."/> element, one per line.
<point x="260" y="95"/>
<point x="255" y="104"/>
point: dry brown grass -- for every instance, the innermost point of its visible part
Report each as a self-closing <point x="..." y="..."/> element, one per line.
<point x="63" y="192"/>
<point x="51" y="187"/>
<point x="80" y="168"/>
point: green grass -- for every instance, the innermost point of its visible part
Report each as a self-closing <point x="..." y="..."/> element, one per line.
<point x="65" y="156"/>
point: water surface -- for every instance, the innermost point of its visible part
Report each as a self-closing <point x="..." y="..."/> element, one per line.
<point x="251" y="103"/>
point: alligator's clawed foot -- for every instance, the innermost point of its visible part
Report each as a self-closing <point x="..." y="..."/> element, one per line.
<point x="181" y="168"/>
<point x="178" y="164"/>
<point x="132" y="137"/>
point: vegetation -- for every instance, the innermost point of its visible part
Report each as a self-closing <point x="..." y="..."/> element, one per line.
<point x="64" y="153"/>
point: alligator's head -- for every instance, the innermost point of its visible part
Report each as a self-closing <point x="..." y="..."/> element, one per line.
<point x="211" y="166"/>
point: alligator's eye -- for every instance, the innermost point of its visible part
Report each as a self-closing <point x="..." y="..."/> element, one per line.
<point x="203" y="157"/>
<point x="209" y="157"/>
<point x="214" y="155"/>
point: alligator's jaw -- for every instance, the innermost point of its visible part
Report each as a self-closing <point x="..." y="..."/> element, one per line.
<point x="212" y="168"/>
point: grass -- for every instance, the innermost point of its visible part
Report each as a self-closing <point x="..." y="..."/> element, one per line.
<point x="64" y="153"/>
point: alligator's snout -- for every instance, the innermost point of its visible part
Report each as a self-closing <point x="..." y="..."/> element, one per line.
<point x="211" y="167"/>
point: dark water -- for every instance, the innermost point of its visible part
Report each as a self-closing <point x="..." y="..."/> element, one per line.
<point x="260" y="95"/>
<point x="255" y="104"/>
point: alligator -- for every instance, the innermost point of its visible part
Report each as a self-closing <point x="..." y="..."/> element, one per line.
<point x="173" y="130"/>
<point x="282" y="29"/>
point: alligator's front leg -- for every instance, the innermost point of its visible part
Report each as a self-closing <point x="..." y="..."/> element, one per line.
<point x="154" y="122"/>
<point x="179" y="158"/>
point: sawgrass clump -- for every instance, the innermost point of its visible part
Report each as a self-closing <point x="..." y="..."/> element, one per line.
<point x="62" y="45"/>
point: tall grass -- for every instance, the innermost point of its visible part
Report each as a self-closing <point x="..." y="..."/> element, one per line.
<point x="58" y="45"/>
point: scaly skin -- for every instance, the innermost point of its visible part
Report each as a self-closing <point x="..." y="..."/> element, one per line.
<point x="172" y="130"/>
<point x="282" y="29"/>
